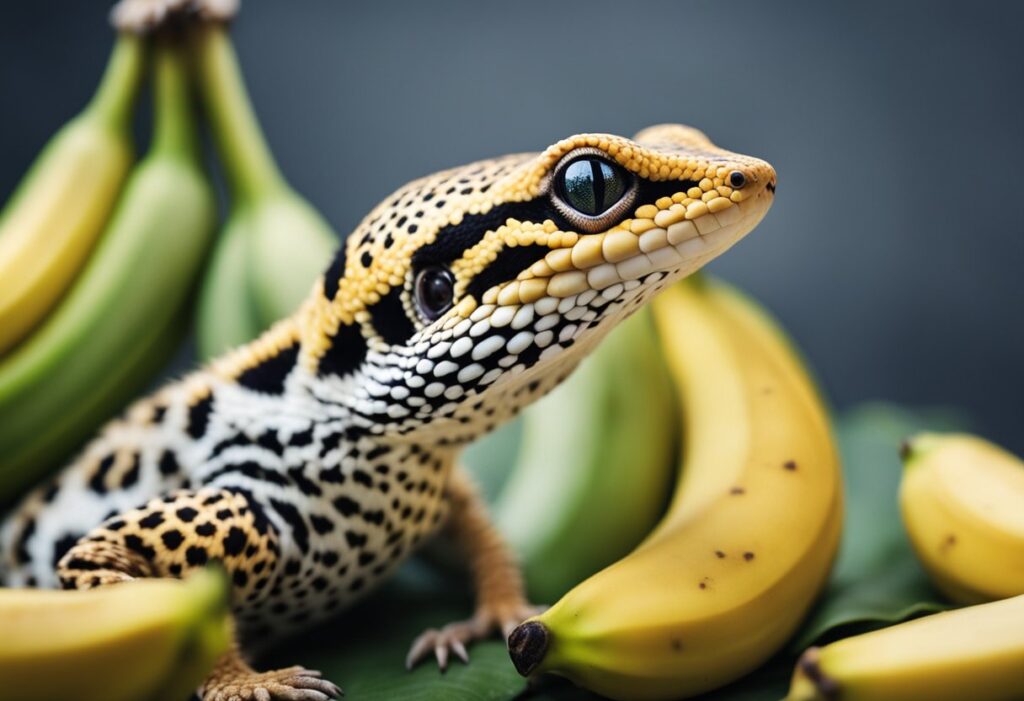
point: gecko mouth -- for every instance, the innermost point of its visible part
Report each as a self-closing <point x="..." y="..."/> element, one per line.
<point x="666" y="240"/>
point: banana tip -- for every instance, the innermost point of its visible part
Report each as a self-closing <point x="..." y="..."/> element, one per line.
<point x="810" y="667"/>
<point x="527" y="645"/>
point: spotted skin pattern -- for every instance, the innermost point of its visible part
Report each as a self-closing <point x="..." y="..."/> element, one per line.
<point x="312" y="461"/>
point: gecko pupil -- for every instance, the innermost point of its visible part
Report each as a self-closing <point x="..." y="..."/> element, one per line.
<point x="435" y="291"/>
<point x="592" y="185"/>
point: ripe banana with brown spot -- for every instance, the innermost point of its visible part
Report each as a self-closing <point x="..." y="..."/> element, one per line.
<point x="748" y="541"/>
<point x="962" y="500"/>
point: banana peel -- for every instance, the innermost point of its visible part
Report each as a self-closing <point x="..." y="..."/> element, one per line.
<point x="148" y="639"/>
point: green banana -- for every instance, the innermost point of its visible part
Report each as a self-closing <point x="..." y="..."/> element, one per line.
<point x="585" y="491"/>
<point x="275" y="244"/>
<point x="52" y="221"/>
<point x="150" y="639"/>
<point x="133" y="286"/>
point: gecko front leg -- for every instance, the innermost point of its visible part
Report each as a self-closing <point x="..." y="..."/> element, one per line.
<point x="500" y="600"/>
<point x="175" y="534"/>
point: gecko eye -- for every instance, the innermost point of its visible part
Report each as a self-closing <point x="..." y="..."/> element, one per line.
<point x="737" y="179"/>
<point x="435" y="292"/>
<point x="591" y="191"/>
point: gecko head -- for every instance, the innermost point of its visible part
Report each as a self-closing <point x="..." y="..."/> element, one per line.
<point x="468" y="294"/>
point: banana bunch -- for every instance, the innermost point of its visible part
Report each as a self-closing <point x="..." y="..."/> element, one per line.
<point x="274" y="244"/>
<point x="123" y="315"/>
<point x="151" y="639"/>
<point x="584" y="492"/>
<point x="55" y="216"/>
<point x="974" y="653"/>
<point x="749" y="537"/>
<point x="962" y="500"/>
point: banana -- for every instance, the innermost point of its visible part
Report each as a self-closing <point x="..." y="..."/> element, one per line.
<point x="149" y="639"/>
<point x="51" y="223"/>
<point x="226" y="315"/>
<point x="962" y="501"/>
<point x="974" y="653"/>
<point x="134" y="285"/>
<point x="275" y="244"/>
<point x="750" y="535"/>
<point x="585" y="491"/>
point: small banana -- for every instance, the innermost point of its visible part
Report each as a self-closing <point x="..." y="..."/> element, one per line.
<point x="132" y="288"/>
<point x="51" y="223"/>
<point x="962" y="500"/>
<point x="275" y="244"/>
<point x="974" y="653"/>
<point x="585" y="491"/>
<point x="150" y="639"/>
<point x="748" y="541"/>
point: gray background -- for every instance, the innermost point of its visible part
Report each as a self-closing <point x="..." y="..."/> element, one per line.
<point x="895" y="249"/>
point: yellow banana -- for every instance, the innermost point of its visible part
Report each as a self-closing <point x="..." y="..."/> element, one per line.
<point x="962" y="500"/>
<point x="747" y="543"/>
<point x="150" y="639"/>
<point x="54" y="218"/>
<point x="971" y="654"/>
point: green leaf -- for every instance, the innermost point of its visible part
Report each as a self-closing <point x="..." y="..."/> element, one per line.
<point x="877" y="580"/>
<point x="364" y="650"/>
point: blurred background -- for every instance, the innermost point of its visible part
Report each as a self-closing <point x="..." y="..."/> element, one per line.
<point x="894" y="253"/>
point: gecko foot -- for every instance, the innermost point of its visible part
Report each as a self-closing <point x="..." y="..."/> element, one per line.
<point x="453" y="638"/>
<point x="291" y="684"/>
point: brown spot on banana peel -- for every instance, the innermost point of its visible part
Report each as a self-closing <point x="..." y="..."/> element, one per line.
<point x="736" y="491"/>
<point x="810" y="666"/>
<point x="947" y="543"/>
<point x="720" y="555"/>
<point x="677" y="645"/>
<point x="527" y="646"/>
<point x="748" y="556"/>
<point x="906" y="449"/>
<point x="790" y="465"/>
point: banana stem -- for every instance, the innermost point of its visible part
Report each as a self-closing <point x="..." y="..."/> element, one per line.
<point x="250" y="167"/>
<point x="115" y="98"/>
<point x="175" y="131"/>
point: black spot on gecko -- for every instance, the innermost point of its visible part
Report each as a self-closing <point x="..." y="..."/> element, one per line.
<point x="332" y="277"/>
<point x="196" y="556"/>
<point x="269" y="375"/>
<point x="168" y="463"/>
<point x="390" y="319"/>
<point x="206" y="529"/>
<point x="172" y="539"/>
<point x="131" y="476"/>
<point x="321" y="524"/>
<point x="305" y="484"/>
<point x="62" y="546"/>
<point x="294" y="519"/>
<point x="235" y="541"/>
<point x="152" y="520"/>
<point x="138" y="545"/>
<point x="199" y="417"/>
<point x="346" y="506"/>
<point x="99" y="477"/>
<point x="344" y="354"/>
